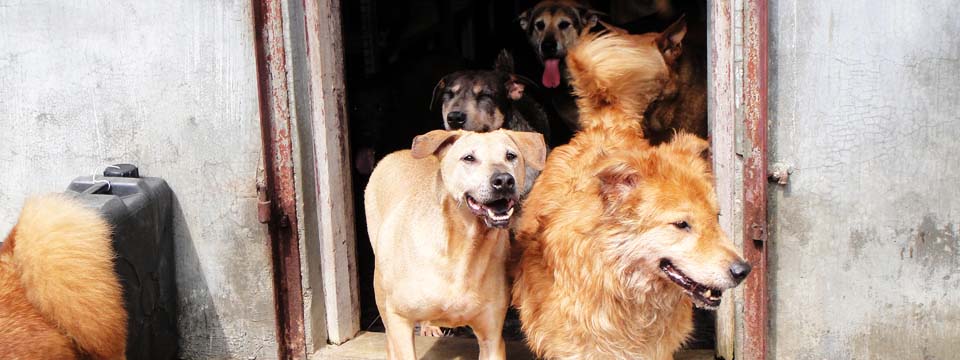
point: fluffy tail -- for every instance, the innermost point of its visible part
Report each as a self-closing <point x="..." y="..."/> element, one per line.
<point x="65" y="260"/>
<point x="616" y="74"/>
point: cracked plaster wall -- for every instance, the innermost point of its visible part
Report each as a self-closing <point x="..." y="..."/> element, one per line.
<point x="865" y="103"/>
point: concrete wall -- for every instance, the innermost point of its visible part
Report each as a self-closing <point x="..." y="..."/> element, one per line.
<point x="865" y="103"/>
<point x="170" y="86"/>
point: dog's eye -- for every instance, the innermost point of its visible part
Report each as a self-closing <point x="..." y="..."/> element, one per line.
<point x="563" y="25"/>
<point x="448" y="94"/>
<point x="511" y="156"/>
<point x="484" y="97"/>
<point x="540" y="25"/>
<point x="468" y="158"/>
<point x="682" y="225"/>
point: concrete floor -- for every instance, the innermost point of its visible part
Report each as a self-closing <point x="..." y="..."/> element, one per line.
<point x="370" y="345"/>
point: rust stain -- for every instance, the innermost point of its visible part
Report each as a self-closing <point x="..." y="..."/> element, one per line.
<point x="755" y="180"/>
<point x="275" y="128"/>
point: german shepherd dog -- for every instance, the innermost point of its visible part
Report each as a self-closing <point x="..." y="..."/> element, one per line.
<point x="552" y="28"/>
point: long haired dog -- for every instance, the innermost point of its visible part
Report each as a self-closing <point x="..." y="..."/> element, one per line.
<point x="59" y="295"/>
<point x="620" y="238"/>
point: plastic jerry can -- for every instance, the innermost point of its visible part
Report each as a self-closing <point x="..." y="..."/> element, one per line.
<point x="140" y="211"/>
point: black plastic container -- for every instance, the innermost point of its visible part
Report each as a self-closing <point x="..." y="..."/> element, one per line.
<point x="140" y="211"/>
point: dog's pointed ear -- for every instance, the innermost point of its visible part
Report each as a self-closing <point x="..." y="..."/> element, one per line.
<point x="531" y="146"/>
<point x="438" y="91"/>
<point x="504" y="62"/>
<point x="589" y="18"/>
<point x="432" y="143"/>
<point x="669" y="41"/>
<point x="617" y="179"/>
<point x="524" y="20"/>
<point x="689" y="144"/>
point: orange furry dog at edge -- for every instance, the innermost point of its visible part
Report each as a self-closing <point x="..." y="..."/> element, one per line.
<point x="618" y="238"/>
<point x="59" y="295"/>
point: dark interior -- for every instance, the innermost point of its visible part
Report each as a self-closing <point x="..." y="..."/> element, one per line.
<point x="396" y="52"/>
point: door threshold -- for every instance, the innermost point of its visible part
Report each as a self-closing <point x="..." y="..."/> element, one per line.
<point x="371" y="345"/>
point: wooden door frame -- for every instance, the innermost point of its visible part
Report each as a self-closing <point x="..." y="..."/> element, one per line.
<point x="721" y="107"/>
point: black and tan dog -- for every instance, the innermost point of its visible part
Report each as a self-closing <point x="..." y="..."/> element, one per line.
<point x="552" y="27"/>
<point x="487" y="100"/>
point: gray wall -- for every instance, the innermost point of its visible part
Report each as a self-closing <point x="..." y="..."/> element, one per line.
<point x="170" y="86"/>
<point x="865" y="102"/>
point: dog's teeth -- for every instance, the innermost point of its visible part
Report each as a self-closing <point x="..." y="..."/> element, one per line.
<point x="509" y="212"/>
<point x="707" y="293"/>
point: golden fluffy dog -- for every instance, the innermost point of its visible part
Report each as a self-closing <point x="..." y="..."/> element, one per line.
<point x="59" y="295"/>
<point x="619" y="238"/>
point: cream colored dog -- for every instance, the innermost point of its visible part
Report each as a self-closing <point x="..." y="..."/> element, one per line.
<point x="438" y="216"/>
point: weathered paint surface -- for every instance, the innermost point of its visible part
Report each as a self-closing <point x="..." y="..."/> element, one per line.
<point x="755" y="247"/>
<point x="278" y="159"/>
<point x="865" y="104"/>
<point x="170" y="86"/>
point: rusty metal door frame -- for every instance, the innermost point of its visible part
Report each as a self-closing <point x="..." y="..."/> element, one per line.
<point x="755" y="235"/>
<point x="729" y="138"/>
<point x="276" y="188"/>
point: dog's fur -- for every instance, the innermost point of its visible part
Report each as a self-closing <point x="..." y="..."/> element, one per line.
<point x="610" y="214"/>
<point x="437" y="221"/>
<point x="59" y="295"/>
<point x="682" y="106"/>
<point x="553" y="27"/>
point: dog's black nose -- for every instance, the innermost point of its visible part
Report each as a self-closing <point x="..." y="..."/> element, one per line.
<point x="456" y="120"/>
<point x="548" y="48"/>
<point x="740" y="270"/>
<point x="502" y="182"/>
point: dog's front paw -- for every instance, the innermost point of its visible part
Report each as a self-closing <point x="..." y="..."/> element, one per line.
<point x="429" y="330"/>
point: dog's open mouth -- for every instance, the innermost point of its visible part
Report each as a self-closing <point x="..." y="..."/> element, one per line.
<point x="496" y="213"/>
<point x="703" y="296"/>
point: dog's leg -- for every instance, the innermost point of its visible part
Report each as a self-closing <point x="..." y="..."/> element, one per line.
<point x="489" y="330"/>
<point x="399" y="337"/>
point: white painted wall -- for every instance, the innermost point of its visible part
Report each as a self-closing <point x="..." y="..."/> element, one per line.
<point x="170" y="86"/>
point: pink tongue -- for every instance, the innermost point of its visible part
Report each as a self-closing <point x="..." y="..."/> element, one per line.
<point x="551" y="73"/>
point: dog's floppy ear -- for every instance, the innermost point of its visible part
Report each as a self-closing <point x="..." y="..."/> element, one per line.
<point x="524" y="20"/>
<point x="669" y="41"/>
<point x="617" y="179"/>
<point x="438" y="90"/>
<point x="432" y="143"/>
<point x="531" y="146"/>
